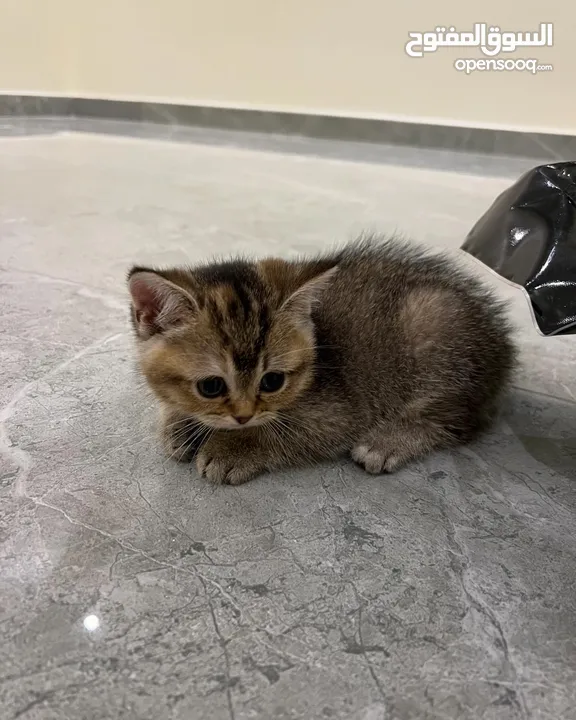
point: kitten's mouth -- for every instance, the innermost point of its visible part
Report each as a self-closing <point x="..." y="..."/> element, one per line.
<point x="231" y="423"/>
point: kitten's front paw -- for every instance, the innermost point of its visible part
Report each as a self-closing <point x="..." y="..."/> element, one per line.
<point x="224" y="464"/>
<point x="374" y="460"/>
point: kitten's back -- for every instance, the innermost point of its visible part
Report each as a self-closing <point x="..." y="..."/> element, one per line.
<point x="411" y="324"/>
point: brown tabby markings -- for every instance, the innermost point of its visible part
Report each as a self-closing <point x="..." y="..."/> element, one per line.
<point x="387" y="354"/>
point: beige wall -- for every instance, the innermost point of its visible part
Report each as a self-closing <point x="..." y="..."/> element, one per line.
<point x="34" y="46"/>
<point x="320" y="56"/>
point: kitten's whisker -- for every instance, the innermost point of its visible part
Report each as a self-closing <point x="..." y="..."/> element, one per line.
<point x="303" y="450"/>
<point x="185" y="421"/>
<point x="292" y="435"/>
<point x="188" y="422"/>
<point x="316" y="347"/>
<point x="183" y="436"/>
<point x="189" y="442"/>
<point x="303" y="445"/>
<point x="276" y="441"/>
<point x="300" y="423"/>
<point x="186" y="431"/>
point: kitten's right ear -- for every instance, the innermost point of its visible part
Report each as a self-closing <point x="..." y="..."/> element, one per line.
<point x="302" y="300"/>
<point x="157" y="303"/>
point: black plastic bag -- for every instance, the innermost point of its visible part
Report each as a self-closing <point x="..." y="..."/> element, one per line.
<point x="528" y="236"/>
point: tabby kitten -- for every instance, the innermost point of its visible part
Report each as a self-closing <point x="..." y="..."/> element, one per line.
<point x="377" y="349"/>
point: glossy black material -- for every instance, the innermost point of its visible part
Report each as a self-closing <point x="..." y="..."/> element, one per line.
<point x="528" y="236"/>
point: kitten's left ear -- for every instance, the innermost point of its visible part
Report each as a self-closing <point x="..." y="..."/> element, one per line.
<point x="302" y="300"/>
<point x="157" y="303"/>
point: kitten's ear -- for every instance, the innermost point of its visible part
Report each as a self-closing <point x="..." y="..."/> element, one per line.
<point x="302" y="300"/>
<point x="157" y="303"/>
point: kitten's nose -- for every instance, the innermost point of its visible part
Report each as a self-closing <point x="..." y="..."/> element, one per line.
<point x="243" y="419"/>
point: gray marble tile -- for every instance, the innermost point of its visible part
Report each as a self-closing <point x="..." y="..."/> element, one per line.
<point x="16" y="126"/>
<point x="475" y="164"/>
<point x="130" y="588"/>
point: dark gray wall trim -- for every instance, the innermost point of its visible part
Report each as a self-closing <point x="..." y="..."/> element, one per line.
<point x="493" y="142"/>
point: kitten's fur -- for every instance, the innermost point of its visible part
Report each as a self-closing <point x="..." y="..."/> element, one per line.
<point x="389" y="353"/>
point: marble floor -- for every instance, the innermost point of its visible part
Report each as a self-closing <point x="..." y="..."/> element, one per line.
<point x="130" y="588"/>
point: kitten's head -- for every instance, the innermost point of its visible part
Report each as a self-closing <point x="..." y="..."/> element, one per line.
<point x="231" y="344"/>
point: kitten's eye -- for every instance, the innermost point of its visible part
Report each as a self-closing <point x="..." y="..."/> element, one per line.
<point x="272" y="381"/>
<point x="211" y="387"/>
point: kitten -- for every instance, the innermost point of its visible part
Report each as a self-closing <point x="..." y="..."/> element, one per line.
<point x="378" y="350"/>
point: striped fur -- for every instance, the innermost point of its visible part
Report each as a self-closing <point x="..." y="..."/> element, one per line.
<point x="389" y="353"/>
